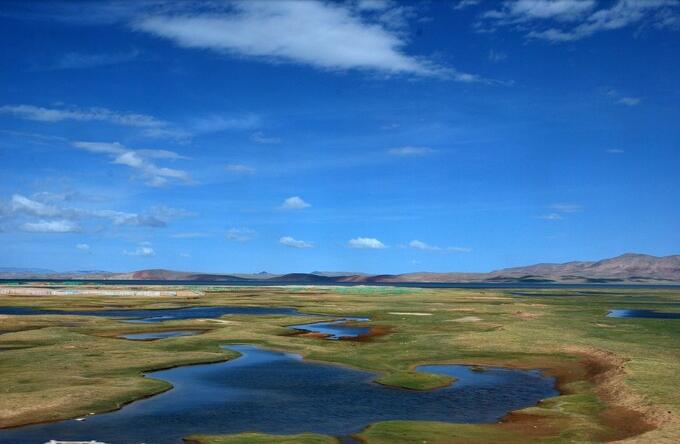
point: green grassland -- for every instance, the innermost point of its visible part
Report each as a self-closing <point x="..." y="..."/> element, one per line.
<point x="619" y="378"/>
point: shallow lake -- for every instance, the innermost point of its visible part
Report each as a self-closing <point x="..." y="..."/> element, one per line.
<point x="335" y="329"/>
<point x="276" y="392"/>
<point x="624" y="313"/>
<point x="160" y="335"/>
<point x="161" y="314"/>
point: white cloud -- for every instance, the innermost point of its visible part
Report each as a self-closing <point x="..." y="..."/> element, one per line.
<point x="24" y="204"/>
<point x="157" y="216"/>
<point x="615" y="151"/>
<point x="622" y="99"/>
<point x="295" y="243"/>
<point x="551" y="216"/>
<point x="320" y="34"/>
<point x="83" y="247"/>
<point x="143" y="249"/>
<point x="525" y="10"/>
<point x="41" y="114"/>
<point x="239" y="168"/>
<point x="373" y="5"/>
<point x="294" y="203"/>
<point x="560" y="209"/>
<point x="629" y="101"/>
<point x="463" y="4"/>
<point x="420" y="245"/>
<point x="411" y="151"/>
<point x="138" y="160"/>
<point x="240" y="234"/>
<point x="366" y="242"/>
<point x="150" y="126"/>
<point x="570" y="20"/>
<point x="52" y="226"/>
<point x="259" y="137"/>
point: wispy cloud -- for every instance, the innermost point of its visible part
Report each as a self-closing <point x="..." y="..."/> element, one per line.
<point x="149" y="126"/>
<point x="327" y="35"/>
<point x="423" y="246"/>
<point x="288" y="241"/>
<point x="215" y="123"/>
<point x="294" y="203"/>
<point x="374" y="5"/>
<point x="559" y="210"/>
<point x="42" y="114"/>
<point x="259" y="137"/>
<point x="53" y="217"/>
<point x="571" y="20"/>
<point x="144" y="249"/>
<point x="623" y="99"/>
<point x="615" y="151"/>
<point x="411" y="151"/>
<point x="551" y="216"/>
<point x="464" y="4"/>
<point x="138" y="160"/>
<point x="51" y="226"/>
<point x="366" y="242"/>
<point x="420" y="245"/>
<point x="240" y="234"/>
<point x="83" y="247"/>
<point x="239" y="168"/>
<point x="629" y="101"/>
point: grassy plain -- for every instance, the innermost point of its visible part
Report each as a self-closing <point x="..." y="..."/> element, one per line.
<point x="619" y="378"/>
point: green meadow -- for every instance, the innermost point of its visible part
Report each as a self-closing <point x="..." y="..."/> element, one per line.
<point x="618" y="377"/>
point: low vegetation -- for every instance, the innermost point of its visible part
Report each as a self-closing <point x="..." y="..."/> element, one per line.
<point x="619" y="377"/>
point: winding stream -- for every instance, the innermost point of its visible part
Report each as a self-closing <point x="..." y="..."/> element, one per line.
<point x="274" y="392"/>
<point x="160" y="314"/>
<point x="626" y="313"/>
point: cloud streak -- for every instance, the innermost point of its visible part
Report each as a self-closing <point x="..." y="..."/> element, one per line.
<point x="50" y="226"/>
<point x="42" y="114"/>
<point x="571" y="20"/>
<point x="294" y="203"/>
<point x="143" y="250"/>
<point x="411" y="151"/>
<point x="138" y="160"/>
<point x="422" y="246"/>
<point x="323" y="35"/>
<point x="240" y="234"/>
<point x="289" y="241"/>
<point x="366" y="243"/>
<point x="54" y="218"/>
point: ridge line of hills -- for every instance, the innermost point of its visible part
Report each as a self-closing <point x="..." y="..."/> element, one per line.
<point x="627" y="268"/>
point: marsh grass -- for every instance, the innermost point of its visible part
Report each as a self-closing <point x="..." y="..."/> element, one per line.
<point x="67" y="366"/>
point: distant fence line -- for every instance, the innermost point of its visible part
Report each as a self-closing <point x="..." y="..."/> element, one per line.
<point x="19" y="291"/>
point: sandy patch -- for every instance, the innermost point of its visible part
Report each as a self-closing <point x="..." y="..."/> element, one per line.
<point x="218" y="321"/>
<point x="526" y="316"/>
<point x="466" y="319"/>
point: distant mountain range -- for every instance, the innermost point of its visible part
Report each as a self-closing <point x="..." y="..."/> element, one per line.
<point x="627" y="268"/>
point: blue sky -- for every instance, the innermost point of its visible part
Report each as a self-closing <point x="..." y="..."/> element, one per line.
<point x="371" y="136"/>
